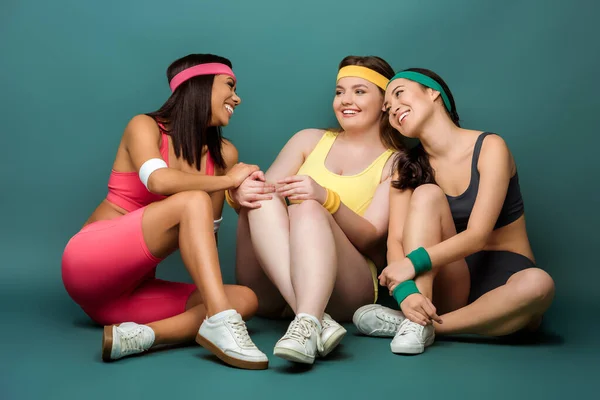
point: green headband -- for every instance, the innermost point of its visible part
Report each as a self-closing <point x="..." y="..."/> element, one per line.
<point x="425" y="81"/>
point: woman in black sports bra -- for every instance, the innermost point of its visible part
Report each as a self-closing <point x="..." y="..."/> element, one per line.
<point x="459" y="258"/>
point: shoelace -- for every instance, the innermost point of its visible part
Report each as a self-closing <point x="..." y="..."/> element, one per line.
<point x="241" y="333"/>
<point x="407" y="326"/>
<point x="326" y="323"/>
<point x="391" y="322"/>
<point x="132" y="341"/>
<point x="299" y="330"/>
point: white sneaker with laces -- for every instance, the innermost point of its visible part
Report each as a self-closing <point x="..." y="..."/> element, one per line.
<point x="331" y="335"/>
<point x="300" y="342"/>
<point x="377" y="320"/>
<point x="125" y="339"/>
<point x="412" y="338"/>
<point x="228" y="339"/>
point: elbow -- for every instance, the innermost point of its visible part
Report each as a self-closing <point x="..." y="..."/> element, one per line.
<point x="477" y="240"/>
<point x="368" y="245"/>
<point x="157" y="184"/>
<point x="368" y="242"/>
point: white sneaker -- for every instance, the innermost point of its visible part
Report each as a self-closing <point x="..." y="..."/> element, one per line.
<point x="228" y="339"/>
<point x="331" y="335"/>
<point x="300" y="342"/>
<point x="412" y="338"/>
<point x="126" y="339"/>
<point x="377" y="320"/>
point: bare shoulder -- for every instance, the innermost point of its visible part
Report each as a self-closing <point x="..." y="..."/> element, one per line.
<point x="494" y="146"/>
<point x="310" y="134"/>
<point x="305" y="140"/>
<point x="141" y="127"/>
<point x="495" y="153"/>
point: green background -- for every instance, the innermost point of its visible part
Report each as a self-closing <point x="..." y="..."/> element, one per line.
<point x="74" y="72"/>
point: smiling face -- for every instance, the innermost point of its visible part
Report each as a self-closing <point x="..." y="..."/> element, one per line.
<point x="223" y="100"/>
<point x="357" y="103"/>
<point x="409" y="105"/>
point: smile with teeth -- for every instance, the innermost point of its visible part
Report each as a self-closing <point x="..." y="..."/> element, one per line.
<point x="403" y="116"/>
<point x="229" y="109"/>
<point x="350" y="113"/>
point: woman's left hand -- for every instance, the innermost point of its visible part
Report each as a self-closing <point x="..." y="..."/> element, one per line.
<point x="301" y="187"/>
<point x="396" y="273"/>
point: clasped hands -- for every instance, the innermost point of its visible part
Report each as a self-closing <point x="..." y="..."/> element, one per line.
<point x="255" y="188"/>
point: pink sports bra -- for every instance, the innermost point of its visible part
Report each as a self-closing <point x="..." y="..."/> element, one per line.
<point x="126" y="190"/>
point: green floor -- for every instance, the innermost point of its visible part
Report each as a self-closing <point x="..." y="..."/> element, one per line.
<point x="50" y="350"/>
<point x="73" y="73"/>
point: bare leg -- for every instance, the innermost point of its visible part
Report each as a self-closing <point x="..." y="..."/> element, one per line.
<point x="429" y="222"/>
<point x="326" y="267"/>
<point x="518" y="304"/>
<point x="270" y="235"/>
<point x="507" y="309"/>
<point x="183" y="328"/>
<point x="184" y="220"/>
<point x="249" y="273"/>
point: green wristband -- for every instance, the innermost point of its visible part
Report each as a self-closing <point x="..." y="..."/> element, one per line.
<point x="404" y="290"/>
<point x="420" y="260"/>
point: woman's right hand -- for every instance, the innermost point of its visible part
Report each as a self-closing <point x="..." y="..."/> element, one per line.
<point x="239" y="172"/>
<point x="252" y="190"/>
<point x="419" y="309"/>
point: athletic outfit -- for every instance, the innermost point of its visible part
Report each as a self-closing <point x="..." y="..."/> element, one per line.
<point x="355" y="191"/>
<point x="107" y="268"/>
<point x="489" y="269"/>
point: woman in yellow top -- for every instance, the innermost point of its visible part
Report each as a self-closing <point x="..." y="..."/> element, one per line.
<point x="321" y="252"/>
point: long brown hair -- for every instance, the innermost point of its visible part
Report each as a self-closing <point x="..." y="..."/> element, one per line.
<point x="188" y="112"/>
<point x="412" y="166"/>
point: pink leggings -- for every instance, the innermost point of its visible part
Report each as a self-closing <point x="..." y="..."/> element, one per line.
<point x="108" y="270"/>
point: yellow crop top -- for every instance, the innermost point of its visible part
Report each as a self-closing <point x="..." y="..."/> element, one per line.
<point x="356" y="191"/>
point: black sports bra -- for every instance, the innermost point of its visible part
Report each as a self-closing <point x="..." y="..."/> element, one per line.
<point x="461" y="206"/>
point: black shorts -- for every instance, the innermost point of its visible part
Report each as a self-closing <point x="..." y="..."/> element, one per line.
<point x="491" y="269"/>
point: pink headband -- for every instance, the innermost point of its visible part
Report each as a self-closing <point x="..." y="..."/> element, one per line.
<point x="200" y="69"/>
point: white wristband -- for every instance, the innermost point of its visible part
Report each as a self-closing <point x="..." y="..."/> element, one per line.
<point x="149" y="167"/>
<point x="217" y="224"/>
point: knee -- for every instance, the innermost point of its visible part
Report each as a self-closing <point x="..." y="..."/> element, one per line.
<point x="193" y="200"/>
<point x="535" y="286"/>
<point x="307" y="210"/>
<point x="427" y="196"/>
<point x="245" y="301"/>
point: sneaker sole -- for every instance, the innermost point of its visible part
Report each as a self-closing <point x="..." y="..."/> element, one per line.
<point x="333" y="342"/>
<point x="234" y="362"/>
<point x="293" y="355"/>
<point x="411" y="349"/>
<point x="107" y="342"/>
<point x="358" y="316"/>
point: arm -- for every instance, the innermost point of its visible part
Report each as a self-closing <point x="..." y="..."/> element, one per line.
<point x="365" y="231"/>
<point x="141" y="141"/>
<point x="399" y="202"/>
<point x="495" y="170"/>
<point x="292" y="156"/>
<point x="230" y="155"/>
<point x="259" y="186"/>
<point x="495" y="167"/>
